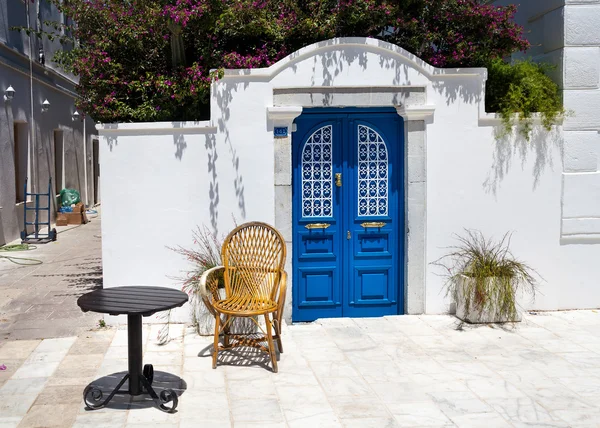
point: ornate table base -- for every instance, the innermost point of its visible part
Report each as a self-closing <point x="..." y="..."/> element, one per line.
<point x="138" y="380"/>
<point x="92" y="396"/>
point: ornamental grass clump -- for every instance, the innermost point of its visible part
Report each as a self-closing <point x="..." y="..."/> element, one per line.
<point x="207" y="255"/>
<point x="484" y="278"/>
<point x="204" y="256"/>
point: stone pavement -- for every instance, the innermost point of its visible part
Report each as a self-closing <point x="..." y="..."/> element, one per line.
<point x="403" y="371"/>
<point x="38" y="302"/>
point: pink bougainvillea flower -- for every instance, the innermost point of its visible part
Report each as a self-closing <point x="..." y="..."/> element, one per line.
<point x="127" y="53"/>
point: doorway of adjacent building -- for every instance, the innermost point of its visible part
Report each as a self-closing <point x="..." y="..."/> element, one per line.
<point x="348" y="213"/>
<point x="21" y="158"/>
<point x="59" y="159"/>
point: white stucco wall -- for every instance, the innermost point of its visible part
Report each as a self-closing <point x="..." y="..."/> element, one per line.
<point x="160" y="180"/>
<point x="506" y="186"/>
<point x="565" y="33"/>
<point x="581" y="83"/>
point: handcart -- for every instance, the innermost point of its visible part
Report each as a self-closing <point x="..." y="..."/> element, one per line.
<point x="37" y="237"/>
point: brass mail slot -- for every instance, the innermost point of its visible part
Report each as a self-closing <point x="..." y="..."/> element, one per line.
<point x="311" y="226"/>
<point x="377" y="224"/>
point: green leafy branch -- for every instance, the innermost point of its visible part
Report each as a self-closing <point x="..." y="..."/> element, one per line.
<point x="519" y="90"/>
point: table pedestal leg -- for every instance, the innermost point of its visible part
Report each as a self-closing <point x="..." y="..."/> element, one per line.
<point x="167" y="399"/>
<point x="134" y="338"/>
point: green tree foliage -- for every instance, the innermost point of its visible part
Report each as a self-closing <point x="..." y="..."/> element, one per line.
<point x="151" y="60"/>
<point x="519" y="90"/>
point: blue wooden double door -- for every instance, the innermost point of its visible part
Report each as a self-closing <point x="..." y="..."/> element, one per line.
<point x="348" y="213"/>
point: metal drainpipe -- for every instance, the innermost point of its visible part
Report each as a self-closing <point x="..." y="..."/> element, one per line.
<point x="85" y="177"/>
<point x="32" y="148"/>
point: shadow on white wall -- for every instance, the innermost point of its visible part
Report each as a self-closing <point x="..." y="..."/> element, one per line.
<point x="515" y="148"/>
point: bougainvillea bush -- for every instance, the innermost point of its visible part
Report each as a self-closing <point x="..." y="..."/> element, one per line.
<point x="151" y="60"/>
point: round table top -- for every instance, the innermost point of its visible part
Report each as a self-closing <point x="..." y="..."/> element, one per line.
<point x="132" y="300"/>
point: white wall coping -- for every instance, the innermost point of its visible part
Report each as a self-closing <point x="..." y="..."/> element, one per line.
<point x="283" y="114"/>
<point x="189" y="127"/>
<point x="416" y="113"/>
<point x="428" y="70"/>
<point x="494" y="119"/>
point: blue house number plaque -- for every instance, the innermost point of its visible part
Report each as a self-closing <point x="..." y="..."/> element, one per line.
<point x="280" y="131"/>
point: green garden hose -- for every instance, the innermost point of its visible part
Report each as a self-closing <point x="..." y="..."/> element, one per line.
<point x="19" y="260"/>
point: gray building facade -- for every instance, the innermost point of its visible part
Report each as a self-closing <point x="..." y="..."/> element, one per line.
<point x="41" y="134"/>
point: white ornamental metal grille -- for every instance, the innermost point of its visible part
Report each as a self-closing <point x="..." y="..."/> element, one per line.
<point x="317" y="178"/>
<point x="372" y="173"/>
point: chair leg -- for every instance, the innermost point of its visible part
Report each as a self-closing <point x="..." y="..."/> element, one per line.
<point x="226" y="327"/>
<point x="271" y="344"/>
<point x="277" y="328"/>
<point x="216" y="341"/>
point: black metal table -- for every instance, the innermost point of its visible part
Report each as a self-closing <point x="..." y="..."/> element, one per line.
<point x="135" y="302"/>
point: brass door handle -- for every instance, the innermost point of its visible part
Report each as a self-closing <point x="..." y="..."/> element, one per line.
<point x="338" y="179"/>
<point x="311" y="226"/>
<point x="377" y="224"/>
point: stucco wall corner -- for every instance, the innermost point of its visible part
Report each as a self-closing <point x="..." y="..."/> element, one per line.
<point x="416" y="113"/>
<point x="283" y="115"/>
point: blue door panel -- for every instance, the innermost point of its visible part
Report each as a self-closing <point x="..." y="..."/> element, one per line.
<point x="317" y="245"/>
<point x="317" y="286"/>
<point x="373" y="244"/>
<point x="348" y="232"/>
<point x="317" y="293"/>
<point x="373" y="292"/>
<point x="372" y="286"/>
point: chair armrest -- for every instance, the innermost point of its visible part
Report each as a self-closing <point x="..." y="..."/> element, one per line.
<point x="209" y="287"/>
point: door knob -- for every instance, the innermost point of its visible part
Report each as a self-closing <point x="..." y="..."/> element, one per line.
<point x="338" y="179"/>
<point x="348" y="236"/>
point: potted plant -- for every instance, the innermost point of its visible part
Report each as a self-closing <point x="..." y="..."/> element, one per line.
<point x="485" y="279"/>
<point x="205" y="256"/>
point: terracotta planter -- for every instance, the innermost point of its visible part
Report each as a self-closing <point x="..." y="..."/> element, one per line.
<point x="475" y="314"/>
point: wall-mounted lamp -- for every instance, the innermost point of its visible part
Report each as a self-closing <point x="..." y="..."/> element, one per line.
<point x="75" y="116"/>
<point x="9" y="93"/>
<point x="45" y="106"/>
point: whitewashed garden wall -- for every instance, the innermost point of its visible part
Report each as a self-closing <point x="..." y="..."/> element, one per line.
<point x="161" y="180"/>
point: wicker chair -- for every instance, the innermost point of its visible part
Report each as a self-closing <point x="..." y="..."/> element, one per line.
<point x="253" y="256"/>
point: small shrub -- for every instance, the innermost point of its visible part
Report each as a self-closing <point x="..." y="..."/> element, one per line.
<point x="521" y="89"/>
